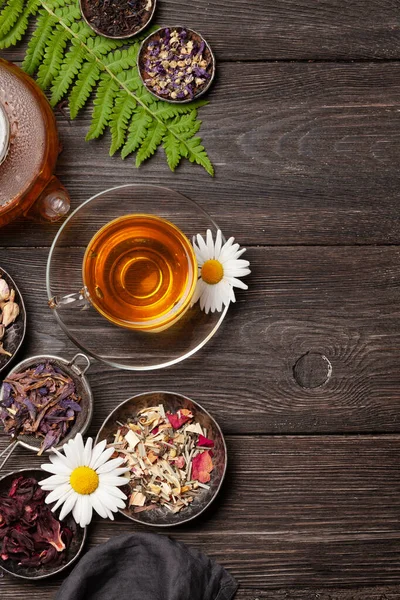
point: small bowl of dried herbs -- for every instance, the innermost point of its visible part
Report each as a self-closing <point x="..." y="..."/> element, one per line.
<point x="117" y="19"/>
<point x="176" y="64"/>
<point x="176" y="456"/>
<point x="12" y="319"/>
<point x="45" y="401"/>
<point x="34" y="543"/>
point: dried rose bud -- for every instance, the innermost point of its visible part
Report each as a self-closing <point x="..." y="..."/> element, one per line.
<point x="10" y="313"/>
<point x="3" y="351"/>
<point x="4" y="290"/>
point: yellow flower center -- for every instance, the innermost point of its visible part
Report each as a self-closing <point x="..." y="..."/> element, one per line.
<point x="212" y="271"/>
<point x="84" y="480"/>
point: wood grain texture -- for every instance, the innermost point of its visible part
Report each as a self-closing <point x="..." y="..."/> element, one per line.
<point x="290" y="29"/>
<point x="294" y="512"/>
<point x="304" y="154"/>
<point x="337" y="302"/>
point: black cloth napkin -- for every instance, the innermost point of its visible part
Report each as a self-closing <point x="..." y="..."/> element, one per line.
<point x="147" y="566"/>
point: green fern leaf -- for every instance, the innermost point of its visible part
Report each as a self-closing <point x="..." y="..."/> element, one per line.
<point x="153" y="139"/>
<point x="195" y="152"/>
<point x="103" y="106"/>
<point x="53" y="57"/>
<point x="136" y="131"/>
<point x="172" y="150"/>
<point x="123" y="109"/>
<point x="165" y="111"/>
<point x="122" y="59"/>
<point x="69" y="69"/>
<point x="38" y="41"/>
<point x="9" y="16"/>
<point x="70" y="58"/>
<point x="86" y="81"/>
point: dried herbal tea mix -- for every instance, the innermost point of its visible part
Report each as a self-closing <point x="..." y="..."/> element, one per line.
<point x="169" y="456"/>
<point x="118" y="17"/>
<point x="41" y="401"/>
<point x="176" y="64"/>
<point x="29" y="533"/>
<point x="9" y="311"/>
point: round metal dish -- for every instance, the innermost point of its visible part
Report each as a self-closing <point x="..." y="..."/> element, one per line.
<point x="83" y="418"/>
<point x="156" y="35"/>
<point x="87" y="328"/>
<point x="83" y="7"/>
<point x="162" y="517"/>
<point x="15" y="333"/>
<point x="32" y="573"/>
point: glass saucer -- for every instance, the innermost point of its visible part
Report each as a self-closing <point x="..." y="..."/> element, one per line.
<point x="88" y="329"/>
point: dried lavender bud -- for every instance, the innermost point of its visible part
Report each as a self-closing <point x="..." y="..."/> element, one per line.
<point x="4" y="290"/>
<point x="176" y="64"/>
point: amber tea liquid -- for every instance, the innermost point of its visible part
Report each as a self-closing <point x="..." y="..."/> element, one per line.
<point x="140" y="272"/>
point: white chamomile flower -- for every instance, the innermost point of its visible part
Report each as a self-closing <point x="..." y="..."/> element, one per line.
<point x="83" y="479"/>
<point x="219" y="268"/>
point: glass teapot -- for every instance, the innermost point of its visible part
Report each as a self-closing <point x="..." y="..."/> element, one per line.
<point x="29" y="148"/>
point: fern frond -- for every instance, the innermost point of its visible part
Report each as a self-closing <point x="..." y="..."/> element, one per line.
<point x="53" y="57"/>
<point x="154" y="136"/>
<point x="172" y="150"/>
<point x="123" y="109"/>
<point x="9" y="15"/>
<point x="103" y="106"/>
<point x="69" y="58"/>
<point x="136" y="131"/>
<point x="85" y="82"/>
<point x="195" y="152"/>
<point x="38" y="41"/>
<point x="69" y="69"/>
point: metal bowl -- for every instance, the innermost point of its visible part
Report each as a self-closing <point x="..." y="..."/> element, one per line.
<point x="15" y="333"/>
<point x="162" y="517"/>
<point x="77" y="374"/>
<point x="83" y="6"/>
<point x="194" y="35"/>
<point x="12" y="568"/>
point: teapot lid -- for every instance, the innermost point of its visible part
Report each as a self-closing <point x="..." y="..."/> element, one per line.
<point x="4" y="133"/>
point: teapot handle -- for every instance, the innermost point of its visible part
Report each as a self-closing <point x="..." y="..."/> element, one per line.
<point x="52" y="204"/>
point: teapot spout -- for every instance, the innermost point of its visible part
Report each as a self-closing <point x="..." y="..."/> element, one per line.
<point x="52" y="204"/>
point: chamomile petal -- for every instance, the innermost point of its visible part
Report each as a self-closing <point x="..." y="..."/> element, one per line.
<point x="96" y="452"/>
<point x="110" y="466"/>
<point x="68" y="505"/>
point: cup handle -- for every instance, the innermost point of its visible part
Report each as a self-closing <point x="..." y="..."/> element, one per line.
<point x="77" y="300"/>
<point x="52" y="204"/>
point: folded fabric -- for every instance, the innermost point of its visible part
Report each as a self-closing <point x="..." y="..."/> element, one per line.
<point x="147" y="566"/>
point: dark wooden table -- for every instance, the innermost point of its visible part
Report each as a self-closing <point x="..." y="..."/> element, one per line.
<point x="304" y="130"/>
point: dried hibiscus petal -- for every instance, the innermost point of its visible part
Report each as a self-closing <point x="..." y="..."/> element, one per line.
<point x="202" y="466"/>
<point x="29" y="533"/>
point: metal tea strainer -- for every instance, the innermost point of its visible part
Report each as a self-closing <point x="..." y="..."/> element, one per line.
<point x="83" y="418"/>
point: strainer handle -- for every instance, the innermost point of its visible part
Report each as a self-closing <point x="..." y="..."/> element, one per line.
<point x="8" y="450"/>
<point x="73" y="363"/>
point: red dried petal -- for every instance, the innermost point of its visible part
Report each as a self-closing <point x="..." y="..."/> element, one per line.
<point x="206" y="442"/>
<point x="180" y="418"/>
<point x="202" y="466"/>
<point x="179" y="462"/>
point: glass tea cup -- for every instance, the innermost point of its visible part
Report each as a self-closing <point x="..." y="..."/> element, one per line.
<point x="76" y="303"/>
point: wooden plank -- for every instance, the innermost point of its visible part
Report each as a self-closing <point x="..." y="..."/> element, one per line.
<point x="294" y="29"/>
<point x="304" y="154"/>
<point x="333" y="302"/>
<point x="294" y="512"/>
